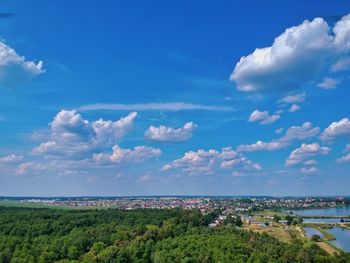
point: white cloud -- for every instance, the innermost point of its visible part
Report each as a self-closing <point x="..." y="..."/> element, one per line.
<point x="169" y="134"/>
<point x="79" y="147"/>
<point x="347" y="148"/>
<point x="211" y="162"/>
<point x="71" y="134"/>
<point x="10" y="159"/>
<point x="279" y="130"/>
<point x="341" y="65"/>
<point x="294" y="108"/>
<point x="304" y="152"/>
<point x="195" y="162"/>
<point x="145" y="178"/>
<point x="45" y="147"/>
<point x="309" y="170"/>
<point x="342" y="32"/>
<point x="336" y="129"/>
<point x="124" y="156"/>
<point x="261" y="146"/>
<point x="286" y="64"/>
<point x="58" y="167"/>
<point x="70" y="126"/>
<point x="310" y="162"/>
<point x="344" y="159"/>
<point x="95" y="164"/>
<point x="295" y="98"/>
<point x="263" y="117"/>
<point x="302" y="132"/>
<point x="29" y="167"/>
<point x="305" y="131"/>
<point x="112" y="131"/>
<point x="14" y="69"/>
<point x="166" y="106"/>
<point x="328" y="83"/>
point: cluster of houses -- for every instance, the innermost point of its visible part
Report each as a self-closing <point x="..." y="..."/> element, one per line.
<point x="205" y="204"/>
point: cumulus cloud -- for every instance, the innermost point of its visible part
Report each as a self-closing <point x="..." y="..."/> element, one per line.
<point x="305" y="131"/>
<point x="14" y="69"/>
<point x="169" y="134"/>
<point x="111" y="131"/>
<point x="263" y="117"/>
<point x="336" y="129"/>
<point x="310" y="162"/>
<point x="10" y="159"/>
<point x="57" y="167"/>
<point x="297" y="57"/>
<point x="29" y="167"/>
<point x="70" y="126"/>
<point x="295" y="98"/>
<point x="76" y="146"/>
<point x="328" y="83"/>
<point x="261" y="146"/>
<point x="344" y="159"/>
<point x="294" y="108"/>
<point x="123" y="156"/>
<point x="211" y="162"/>
<point x="341" y="65"/>
<point x="279" y="130"/>
<point x="347" y="148"/>
<point x="304" y="152"/>
<point x="71" y="134"/>
<point x="45" y="147"/>
<point x="308" y="170"/>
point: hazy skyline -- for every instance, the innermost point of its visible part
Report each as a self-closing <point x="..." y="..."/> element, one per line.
<point x="182" y="98"/>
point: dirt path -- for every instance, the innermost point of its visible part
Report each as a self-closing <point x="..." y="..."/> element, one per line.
<point x="298" y="228"/>
<point x="328" y="248"/>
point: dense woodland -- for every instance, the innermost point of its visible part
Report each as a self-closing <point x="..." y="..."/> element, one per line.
<point x="50" y="235"/>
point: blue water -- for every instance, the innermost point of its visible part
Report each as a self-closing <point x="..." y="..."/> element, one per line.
<point x="332" y="211"/>
<point x="321" y="220"/>
<point x="310" y="231"/>
<point x="342" y="238"/>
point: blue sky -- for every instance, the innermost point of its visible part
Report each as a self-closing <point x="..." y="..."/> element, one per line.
<point x="188" y="97"/>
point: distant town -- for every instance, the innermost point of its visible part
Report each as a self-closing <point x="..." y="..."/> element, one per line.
<point x="204" y="204"/>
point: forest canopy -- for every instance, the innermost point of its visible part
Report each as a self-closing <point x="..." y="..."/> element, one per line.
<point x="111" y="235"/>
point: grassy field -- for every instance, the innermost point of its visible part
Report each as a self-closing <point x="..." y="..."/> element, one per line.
<point x="30" y="205"/>
<point x="266" y="213"/>
<point x="286" y="234"/>
<point x="276" y="230"/>
<point x="279" y="231"/>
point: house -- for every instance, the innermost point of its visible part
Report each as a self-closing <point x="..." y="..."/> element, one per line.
<point x="258" y="223"/>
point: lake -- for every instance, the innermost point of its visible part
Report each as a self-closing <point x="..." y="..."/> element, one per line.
<point x="321" y="220"/>
<point x="331" y="211"/>
<point x="310" y="231"/>
<point x="342" y="235"/>
<point x="342" y="238"/>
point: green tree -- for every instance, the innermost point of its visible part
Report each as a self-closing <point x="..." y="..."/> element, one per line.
<point x="276" y="218"/>
<point x="238" y="221"/>
<point x="289" y="220"/>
